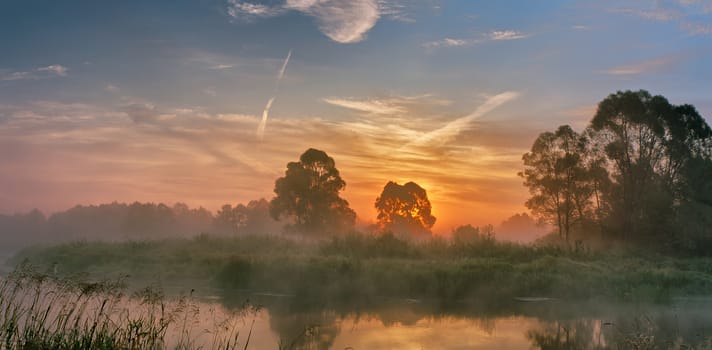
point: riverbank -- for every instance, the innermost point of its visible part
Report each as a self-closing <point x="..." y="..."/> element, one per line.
<point x="358" y="269"/>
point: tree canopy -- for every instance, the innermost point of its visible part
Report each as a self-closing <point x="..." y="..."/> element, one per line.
<point x="562" y="176"/>
<point x="635" y="172"/>
<point x="309" y="195"/>
<point x="404" y="209"/>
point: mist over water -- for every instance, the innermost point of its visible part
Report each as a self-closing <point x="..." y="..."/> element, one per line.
<point x="416" y="324"/>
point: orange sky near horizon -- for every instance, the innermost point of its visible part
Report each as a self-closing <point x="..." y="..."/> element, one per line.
<point x="64" y="155"/>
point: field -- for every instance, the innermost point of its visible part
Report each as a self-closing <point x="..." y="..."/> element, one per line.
<point x="360" y="268"/>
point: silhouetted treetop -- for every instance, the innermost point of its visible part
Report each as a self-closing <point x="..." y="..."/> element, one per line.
<point x="649" y="143"/>
<point x="309" y="194"/>
<point x="562" y="176"/>
<point x="640" y="172"/>
<point x="404" y="209"/>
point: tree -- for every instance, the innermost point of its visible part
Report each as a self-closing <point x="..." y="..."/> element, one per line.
<point x="468" y="234"/>
<point x="404" y="210"/>
<point x="648" y="143"/>
<point x="148" y="219"/>
<point x="309" y="194"/>
<point x="559" y="179"/>
<point x="253" y="218"/>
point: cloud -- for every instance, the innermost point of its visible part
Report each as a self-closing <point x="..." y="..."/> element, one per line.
<point x="659" y="14"/>
<point x="56" y="69"/>
<point x="51" y="71"/>
<point x="394" y="11"/>
<point x="247" y="11"/>
<point x="390" y="106"/>
<point x="451" y="129"/>
<point x="208" y="60"/>
<point x="687" y="13"/>
<point x="97" y="154"/>
<point x="17" y="76"/>
<point x="222" y="66"/>
<point x="505" y="35"/>
<point x="693" y="28"/>
<point x="649" y="66"/>
<point x="144" y="113"/>
<point x="495" y="35"/>
<point x="368" y="106"/>
<point x="343" y="21"/>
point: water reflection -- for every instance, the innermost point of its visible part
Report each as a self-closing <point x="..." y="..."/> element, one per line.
<point x="408" y="324"/>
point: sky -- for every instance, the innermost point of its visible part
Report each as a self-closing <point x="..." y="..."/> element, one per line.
<point x="206" y="101"/>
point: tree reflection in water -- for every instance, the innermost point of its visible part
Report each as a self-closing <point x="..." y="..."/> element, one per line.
<point x="663" y="331"/>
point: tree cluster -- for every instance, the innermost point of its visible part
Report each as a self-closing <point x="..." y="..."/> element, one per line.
<point x="640" y="172"/>
<point x="309" y="197"/>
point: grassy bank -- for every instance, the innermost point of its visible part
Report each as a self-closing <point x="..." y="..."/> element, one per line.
<point x="42" y="311"/>
<point x="360" y="268"/>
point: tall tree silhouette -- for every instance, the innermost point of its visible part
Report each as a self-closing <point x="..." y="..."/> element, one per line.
<point x="558" y="178"/>
<point x="404" y="210"/>
<point x="309" y="194"/>
<point x="649" y="143"/>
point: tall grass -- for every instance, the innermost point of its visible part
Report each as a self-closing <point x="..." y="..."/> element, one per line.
<point x="360" y="268"/>
<point x="41" y="311"/>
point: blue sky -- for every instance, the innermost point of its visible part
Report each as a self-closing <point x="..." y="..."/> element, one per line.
<point x="161" y="100"/>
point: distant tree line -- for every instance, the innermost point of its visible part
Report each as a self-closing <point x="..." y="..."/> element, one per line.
<point x="641" y="172"/>
<point x="120" y="221"/>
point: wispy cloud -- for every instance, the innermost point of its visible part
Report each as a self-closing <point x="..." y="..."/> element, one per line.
<point x="56" y="69"/>
<point x="392" y="105"/>
<point x="495" y="35"/>
<point x="222" y="66"/>
<point x="146" y="113"/>
<point x="660" y="14"/>
<point x="343" y="21"/>
<point x="51" y="71"/>
<point x="687" y="13"/>
<point x="394" y="10"/>
<point x="697" y="28"/>
<point x="643" y="67"/>
<point x="505" y="35"/>
<point x="172" y="154"/>
<point x="453" y="128"/>
<point x="247" y="11"/>
<point x="17" y="76"/>
<point x="368" y="106"/>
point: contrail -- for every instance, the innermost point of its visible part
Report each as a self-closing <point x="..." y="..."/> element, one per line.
<point x="284" y="67"/>
<point x="265" y="112"/>
<point x="263" y="123"/>
<point x="451" y="129"/>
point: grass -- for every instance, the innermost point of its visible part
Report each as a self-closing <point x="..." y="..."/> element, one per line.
<point x="41" y="311"/>
<point x="360" y="268"/>
<point x="46" y="311"/>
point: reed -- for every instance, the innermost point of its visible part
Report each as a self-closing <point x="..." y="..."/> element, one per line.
<point x="42" y="311"/>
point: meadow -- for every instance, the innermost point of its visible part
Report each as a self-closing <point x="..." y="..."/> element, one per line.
<point x="362" y="268"/>
<point x="88" y="295"/>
